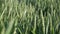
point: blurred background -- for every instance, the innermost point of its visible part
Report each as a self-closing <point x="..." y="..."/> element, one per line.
<point x="29" y="16"/>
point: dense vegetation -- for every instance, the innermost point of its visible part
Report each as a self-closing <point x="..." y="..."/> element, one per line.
<point x="29" y="16"/>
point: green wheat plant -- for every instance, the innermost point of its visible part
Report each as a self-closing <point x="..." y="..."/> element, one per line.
<point x="29" y="16"/>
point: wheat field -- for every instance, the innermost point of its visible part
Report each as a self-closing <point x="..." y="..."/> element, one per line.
<point x="29" y="16"/>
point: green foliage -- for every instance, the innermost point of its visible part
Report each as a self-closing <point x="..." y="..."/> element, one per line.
<point x="29" y="16"/>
